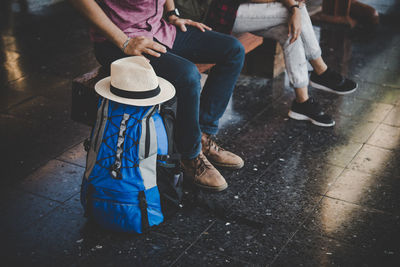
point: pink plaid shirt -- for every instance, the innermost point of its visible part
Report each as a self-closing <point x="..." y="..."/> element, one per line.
<point x="137" y="18"/>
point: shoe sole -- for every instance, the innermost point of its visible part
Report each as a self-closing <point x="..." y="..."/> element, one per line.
<point x="327" y="89"/>
<point x="206" y="187"/>
<point x="212" y="188"/>
<point x="227" y="166"/>
<point x="301" y="117"/>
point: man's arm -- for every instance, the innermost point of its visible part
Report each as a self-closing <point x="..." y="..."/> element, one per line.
<point x="136" y="46"/>
<point x="92" y="11"/>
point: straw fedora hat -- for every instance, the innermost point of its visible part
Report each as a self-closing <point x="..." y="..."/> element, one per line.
<point x="134" y="82"/>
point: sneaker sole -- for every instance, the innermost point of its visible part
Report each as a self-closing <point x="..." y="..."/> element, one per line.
<point x="227" y="166"/>
<point x="327" y="89"/>
<point x="301" y="117"/>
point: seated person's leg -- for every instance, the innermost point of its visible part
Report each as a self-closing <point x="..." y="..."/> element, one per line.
<point x="228" y="54"/>
<point x="304" y="107"/>
<point x="270" y="21"/>
<point x="185" y="77"/>
<point x="322" y="77"/>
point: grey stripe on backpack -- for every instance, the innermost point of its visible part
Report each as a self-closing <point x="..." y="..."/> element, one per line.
<point x="148" y="154"/>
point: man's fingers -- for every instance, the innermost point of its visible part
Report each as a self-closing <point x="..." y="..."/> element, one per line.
<point x="199" y="26"/>
<point x="158" y="47"/>
<point x="290" y="30"/>
<point x="195" y="24"/>
<point x="206" y="27"/>
<point x="151" y="52"/>
<point x="182" y="27"/>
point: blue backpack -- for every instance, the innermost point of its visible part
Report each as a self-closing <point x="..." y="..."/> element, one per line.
<point x="119" y="188"/>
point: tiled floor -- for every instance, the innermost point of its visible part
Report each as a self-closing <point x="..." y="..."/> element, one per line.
<point x="307" y="196"/>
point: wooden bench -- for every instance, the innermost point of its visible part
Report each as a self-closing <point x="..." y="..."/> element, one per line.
<point x="84" y="98"/>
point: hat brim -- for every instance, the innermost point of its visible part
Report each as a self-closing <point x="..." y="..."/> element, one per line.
<point x="167" y="91"/>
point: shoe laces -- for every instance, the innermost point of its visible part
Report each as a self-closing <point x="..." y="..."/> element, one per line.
<point x="201" y="164"/>
<point x="212" y="144"/>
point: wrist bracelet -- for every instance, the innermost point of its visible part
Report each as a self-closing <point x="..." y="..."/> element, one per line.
<point x="291" y="8"/>
<point x="125" y="44"/>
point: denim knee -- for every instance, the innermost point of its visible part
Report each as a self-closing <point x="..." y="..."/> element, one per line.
<point x="237" y="51"/>
<point x="188" y="80"/>
<point x="189" y="74"/>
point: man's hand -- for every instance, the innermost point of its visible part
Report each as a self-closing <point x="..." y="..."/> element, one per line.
<point x="181" y="24"/>
<point x="139" y="45"/>
<point x="294" y="25"/>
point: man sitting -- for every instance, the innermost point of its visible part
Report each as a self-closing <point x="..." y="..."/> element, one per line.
<point x="136" y="27"/>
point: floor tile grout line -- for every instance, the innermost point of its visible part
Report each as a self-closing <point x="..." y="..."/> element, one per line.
<point x="70" y="147"/>
<point x="363" y="206"/>
<point x="43" y="163"/>
<point x="391" y="125"/>
<point x="192" y="243"/>
<point x="376" y="128"/>
<point x="270" y="166"/>
<point x="362" y="120"/>
<point x="383" y="123"/>
<point x="316" y="205"/>
<point x="369" y="100"/>
<point x="47" y="214"/>
<point x="384" y="148"/>
<point x="381" y="84"/>
<point x="39" y="195"/>
<point x="225" y="255"/>
<point x="68" y="162"/>
<point x="387" y="115"/>
<point x="19" y="103"/>
<point x="345" y="168"/>
<point x="296" y="231"/>
<point x="365" y="172"/>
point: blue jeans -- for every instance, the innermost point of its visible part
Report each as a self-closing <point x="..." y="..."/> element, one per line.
<point x="198" y="111"/>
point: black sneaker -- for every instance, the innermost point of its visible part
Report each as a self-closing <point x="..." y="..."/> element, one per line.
<point x="310" y="111"/>
<point x="332" y="82"/>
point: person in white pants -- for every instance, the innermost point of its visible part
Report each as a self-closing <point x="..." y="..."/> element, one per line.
<point x="288" y="22"/>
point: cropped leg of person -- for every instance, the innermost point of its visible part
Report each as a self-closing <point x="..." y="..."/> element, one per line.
<point x="228" y="54"/>
<point x="195" y="116"/>
<point x="322" y="77"/>
<point x="270" y="20"/>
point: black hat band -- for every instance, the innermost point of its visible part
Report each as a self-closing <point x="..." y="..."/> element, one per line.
<point x="135" y="95"/>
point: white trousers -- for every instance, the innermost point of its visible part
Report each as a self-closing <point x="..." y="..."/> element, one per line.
<point x="270" y="20"/>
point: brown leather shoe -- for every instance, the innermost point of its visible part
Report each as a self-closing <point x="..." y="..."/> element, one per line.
<point x="204" y="174"/>
<point x="219" y="156"/>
